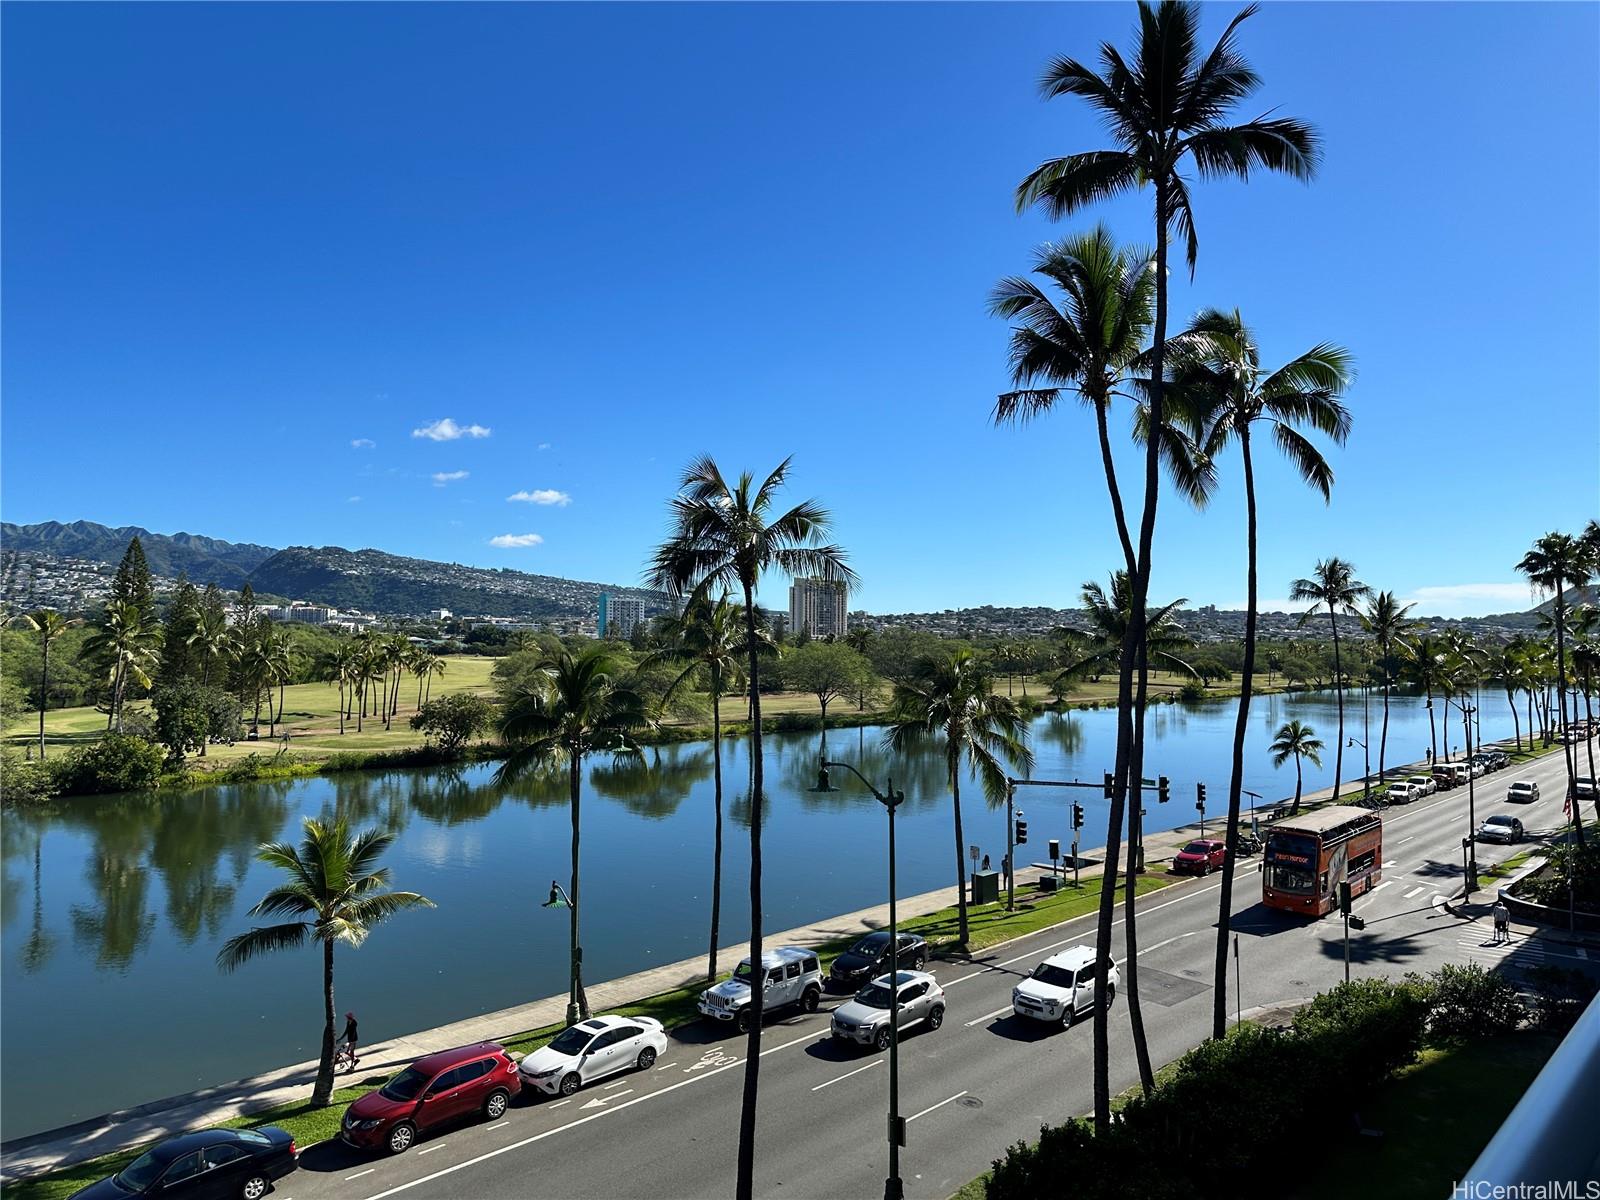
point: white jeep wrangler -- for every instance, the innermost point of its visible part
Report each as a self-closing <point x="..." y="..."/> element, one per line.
<point x="793" y="978"/>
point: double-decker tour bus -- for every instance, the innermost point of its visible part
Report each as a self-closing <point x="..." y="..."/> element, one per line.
<point x="1308" y="856"/>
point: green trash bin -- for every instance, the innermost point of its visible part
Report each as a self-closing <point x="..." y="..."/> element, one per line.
<point x="985" y="887"/>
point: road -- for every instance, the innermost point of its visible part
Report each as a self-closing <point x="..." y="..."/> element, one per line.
<point x="983" y="1081"/>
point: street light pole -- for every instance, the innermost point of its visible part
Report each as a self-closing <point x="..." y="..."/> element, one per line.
<point x="893" y="1186"/>
<point x="560" y="899"/>
<point x="1366" y="764"/>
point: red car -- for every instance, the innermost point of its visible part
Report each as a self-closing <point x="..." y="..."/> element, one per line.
<point x="1200" y="857"/>
<point x="431" y="1091"/>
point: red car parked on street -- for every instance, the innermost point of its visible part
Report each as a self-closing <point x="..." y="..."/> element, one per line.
<point x="431" y="1091"/>
<point x="1200" y="857"/>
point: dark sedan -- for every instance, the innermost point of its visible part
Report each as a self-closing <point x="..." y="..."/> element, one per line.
<point x="214" y="1164"/>
<point x="869" y="958"/>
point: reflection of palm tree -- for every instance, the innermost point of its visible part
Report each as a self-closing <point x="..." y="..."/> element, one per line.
<point x="41" y="943"/>
<point x="575" y="706"/>
<point x="335" y="887"/>
<point x="652" y="786"/>
<point x="951" y="699"/>
<point x="1062" y="732"/>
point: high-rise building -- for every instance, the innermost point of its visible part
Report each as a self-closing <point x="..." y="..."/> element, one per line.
<point x="818" y="606"/>
<point x="618" y="615"/>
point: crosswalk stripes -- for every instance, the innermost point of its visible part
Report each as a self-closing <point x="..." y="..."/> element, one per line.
<point x="1477" y="944"/>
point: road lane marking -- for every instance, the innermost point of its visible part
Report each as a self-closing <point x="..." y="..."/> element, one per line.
<point x="496" y="1125"/>
<point x="1416" y="891"/>
<point x="875" y="1062"/>
<point x="989" y="1016"/>
<point x="1404" y="840"/>
<point x="1168" y="942"/>
<point x="1381" y="886"/>
<point x="428" y="1150"/>
<point x="941" y="1104"/>
<point x="359" y="1174"/>
<point x="662" y="1066"/>
<point x="558" y="1104"/>
<point x="1390" y="863"/>
<point x="617" y="1084"/>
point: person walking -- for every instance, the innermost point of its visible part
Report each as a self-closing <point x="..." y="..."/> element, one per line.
<point x="1502" y="921"/>
<point x="347" y="1048"/>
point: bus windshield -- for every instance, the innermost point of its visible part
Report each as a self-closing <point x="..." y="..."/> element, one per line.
<point x="1291" y="864"/>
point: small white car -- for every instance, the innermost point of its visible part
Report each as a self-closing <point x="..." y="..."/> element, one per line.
<point x="591" y="1050"/>
<point x="1523" y="791"/>
<point x="1062" y="987"/>
<point x="1425" y="785"/>
<point x="1402" y="793"/>
<point x="865" y="1019"/>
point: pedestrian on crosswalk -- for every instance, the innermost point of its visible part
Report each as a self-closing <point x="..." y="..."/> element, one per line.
<point x="1502" y="921"/>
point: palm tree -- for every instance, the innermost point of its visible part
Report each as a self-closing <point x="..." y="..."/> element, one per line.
<point x="336" y="889"/>
<point x="577" y="706"/>
<point x="49" y="625"/>
<point x="1227" y="395"/>
<point x="1166" y="109"/>
<point x="1425" y="653"/>
<point x="436" y="666"/>
<point x="1511" y="669"/>
<point x="1300" y="741"/>
<point x="1111" y="617"/>
<point x="279" y="665"/>
<point x="724" y="538"/>
<point x="1585" y="622"/>
<point x="214" y="640"/>
<point x="127" y="642"/>
<point x="1556" y="562"/>
<point x="951" y="698"/>
<point x="1385" y="620"/>
<point x="707" y="637"/>
<point x="1335" y="588"/>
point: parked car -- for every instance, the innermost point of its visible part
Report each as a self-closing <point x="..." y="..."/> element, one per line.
<point x="1200" y="857"/>
<point x="1500" y="828"/>
<point x="213" y="1164"/>
<point x="1402" y="793"/>
<point x="432" y="1091"/>
<point x="1443" y="780"/>
<point x="870" y="957"/>
<point x="1061" y="988"/>
<point x="793" y="978"/>
<point x="1583" y="787"/>
<point x="1423" y="785"/>
<point x="1523" y="791"/>
<point x="1501" y="759"/>
<point x="865" y="1019"/>
<point x="591" y="1050"/>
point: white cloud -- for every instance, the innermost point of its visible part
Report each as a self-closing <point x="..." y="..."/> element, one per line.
<point x="448" y="431"/>
<point x="544" y="445"/>
<point x="352" y="499"/>
<point x="440" y="478"/>
<point x="542" y="496"/>
<point x="1470" y="599"/>
<point x="515" y="541"/>
<point x="362" y="444"/>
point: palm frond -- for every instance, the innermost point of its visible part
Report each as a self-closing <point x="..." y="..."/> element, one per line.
<point x="267" y="939"/>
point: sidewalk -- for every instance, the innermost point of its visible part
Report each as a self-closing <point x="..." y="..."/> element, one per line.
<point x="106" y="1134"/>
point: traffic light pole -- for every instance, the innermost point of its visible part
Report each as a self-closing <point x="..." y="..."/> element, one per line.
<point x="1136" y="853"/>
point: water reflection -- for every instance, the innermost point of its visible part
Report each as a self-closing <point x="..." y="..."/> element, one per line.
<point x="654" y="783"/>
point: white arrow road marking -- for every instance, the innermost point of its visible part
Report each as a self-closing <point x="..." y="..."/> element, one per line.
<point x="602" y="1101"/>
<point x="875" y="1062"/>
<point x="941" y="1104"/>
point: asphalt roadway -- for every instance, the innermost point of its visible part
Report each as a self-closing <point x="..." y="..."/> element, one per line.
<point x="984" y="1080"/>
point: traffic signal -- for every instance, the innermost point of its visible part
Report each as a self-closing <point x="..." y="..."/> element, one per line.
<point x="1109" y="784"/>
<point x="1358" y="923"/>
<point x="1163" y="789"/>
<point x="1200" y="796"/>
<point x="1344" y="897"/>
<point x="1055" y="849"/>
<point x="1021" y="838"/>
<point x="1077" y="816"/>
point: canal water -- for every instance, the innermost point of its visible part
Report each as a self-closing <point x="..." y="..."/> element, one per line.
<point x="113" y="908"/>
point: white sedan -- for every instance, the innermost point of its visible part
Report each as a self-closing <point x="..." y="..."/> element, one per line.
<point x="591" y="1050"/>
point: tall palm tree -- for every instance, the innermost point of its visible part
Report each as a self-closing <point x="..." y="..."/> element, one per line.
<point x="336" y="890"/>
<point x="1333" y="587"/>
<point x="707" y="637"/>
<point x="1166" y="109"/>
<point x="1300" y="742"/>
<point x="1111" y="615"/>
<point x="278" y="662"/>
<point x="1229" y="396"/>
<point x="577" y="705"/>
<point x="1425" y="654"/>
<point x="49" y="625"/>
<point x="436" y="666"/>
<point x="215" y="642"/>
<point x="1385" y="620"/>
<point x="1511" y="669"/>
<point x="1585" y="621"/>
<point x="726" y="537"/>
<point x="951" y="698"/>
<point x="127" y="642"/>
<point x="1556" y="562"/>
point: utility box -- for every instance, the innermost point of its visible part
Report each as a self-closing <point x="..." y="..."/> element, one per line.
<point x="1049" y="883"/>
<point x="985" y="887"/>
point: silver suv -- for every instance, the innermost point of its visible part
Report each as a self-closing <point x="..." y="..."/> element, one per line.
<point x="793" y="979"/>
<point x="865" y="1020"/>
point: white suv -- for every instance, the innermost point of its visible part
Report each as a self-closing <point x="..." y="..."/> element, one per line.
<point x="793" y="977"/>
<point x="1062" y="987"/>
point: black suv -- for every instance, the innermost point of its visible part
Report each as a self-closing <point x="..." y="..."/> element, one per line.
<point x="869" y="958"/>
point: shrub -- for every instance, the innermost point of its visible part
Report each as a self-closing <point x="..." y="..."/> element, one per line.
<point x="1385" y="1019"/>
<point x="796" y="722"/>
<point x="118" y="762"/>
<point x="1559" y="997"/>
<point x="23" y="782"/>
<point x="453" y="720"/>
<point x="183" y="717"/>
<point x="1549" y="886"/>
<point x="1193" y="690"/>
<point x="1467" y="1001"/>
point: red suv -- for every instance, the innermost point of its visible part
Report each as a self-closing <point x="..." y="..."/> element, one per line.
<point x="431" y="1091"/>
<point x="1200" y="857"/>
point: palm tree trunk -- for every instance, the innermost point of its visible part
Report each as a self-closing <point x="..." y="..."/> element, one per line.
<point x="1433" y="729"/>
<point x="954" y="751"/>
<point x="1299" y="781"/>
<point x="1588" y="742"/>
<point x="44" y="691"/>
<point x="1141" y="1046"/>
<point x="322" y="1091"/>
<point x="716" y="841"/>
<point x="1561" y="700"/>
<point x="1516" y="718"/>
<point x="745" y="1182"/>
<point x="1383" y="735"/>
<point x="575" y="779"/>
<point x="1241" y="726"/>
<point x="1338" y="692"/>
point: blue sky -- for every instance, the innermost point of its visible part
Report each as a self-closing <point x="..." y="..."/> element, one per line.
<point x="250" y="251"/>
